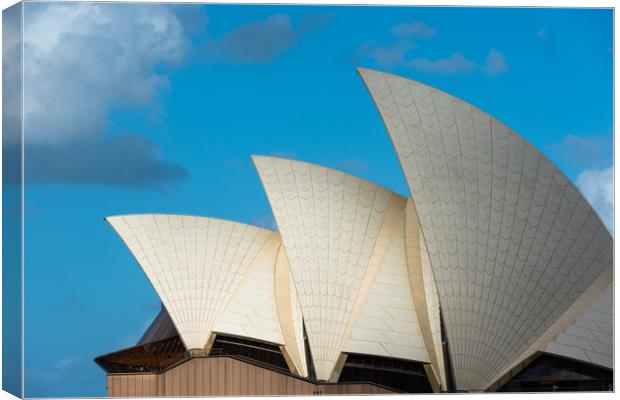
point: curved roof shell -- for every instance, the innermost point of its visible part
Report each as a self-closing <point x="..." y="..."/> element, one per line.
<point x="213" y="276"/>
<point x="345" y="240"/>
<point x="511" y="241"/>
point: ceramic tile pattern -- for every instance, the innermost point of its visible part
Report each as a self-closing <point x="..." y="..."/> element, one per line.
<point x="511" y="242"/>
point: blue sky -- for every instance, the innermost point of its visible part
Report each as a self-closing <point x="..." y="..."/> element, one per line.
<point x="157" y="108"/>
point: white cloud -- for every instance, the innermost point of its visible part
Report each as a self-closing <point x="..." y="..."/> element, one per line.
<point x="597" y="186"/>
<point x="455" y="64"/>
<point x="397" y="53"/>
<point x="415" y="29"/>
<point x="405" y="34"/>
<point x="261" y="41"/>
<point x="495" y="63"/>
<point x="82" y="58"/>
<point x="584" y="151"/>
<point x="386" y="55"/>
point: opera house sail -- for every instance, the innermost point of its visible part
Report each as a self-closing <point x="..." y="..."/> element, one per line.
<point x="493" y="274"/>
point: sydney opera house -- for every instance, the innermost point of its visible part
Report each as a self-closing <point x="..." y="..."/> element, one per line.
<point x="495" y="274"/>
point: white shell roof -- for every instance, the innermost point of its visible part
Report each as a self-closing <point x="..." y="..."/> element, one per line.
<point x="590" y="337"/>
<point x="336" y="228"/>
<point x="251" y="311"/>
<point x="511" y="242"/>
<point x="387" y="324"/>
<point x="213" y="276"/>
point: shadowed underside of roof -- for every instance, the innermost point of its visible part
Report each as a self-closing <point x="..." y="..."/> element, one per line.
<point x="161" y="328"/>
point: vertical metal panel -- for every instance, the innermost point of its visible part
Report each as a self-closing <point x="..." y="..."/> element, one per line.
<point x="242" y="369"/>
<point x="113" y="386"/>
<point x="299" y="386"/>
<point x="191" y="377"/>
<point x="308" y="388"/>
<point x="161" y="385"/>
<point x="185" y="372"/>
<point x="143" y="389"/>
<point x="259" y="375"/>
<point x="236" y="383"/>
<point x="199" y="377"/>
<point x="152" y="385"/>
<point x="252" y="376"/>
<point x="205" y="378"/>
<point x="176" y="382"/>
<point x="123" y="385"/>
<point x="268" y="383"/>
<point x="223" y="376"/>
<point x="142" y="386"/>
<point x="212" y="373"/>
<point x="228" y="377"/>
<point x="137" y="386"/>
<point x="168" y="383"/>
<point x="280" y="388"/>
<point x="290" y="385"/>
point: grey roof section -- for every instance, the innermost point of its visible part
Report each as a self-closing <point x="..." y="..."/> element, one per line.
<point x="161" y="328"/>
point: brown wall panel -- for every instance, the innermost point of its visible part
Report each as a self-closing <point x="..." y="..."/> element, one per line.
<point x="191" y="377"/>
<point x="252" y="377"/>
<point x="160" y="385"/>
<point x="243" y="378"/>
<point x="168" y="383"/>
<point x="152" y="384"/>
<point x="224" y="376"/>
<point x="131" y="386"/>
<point x="198" y="378"/>
<point x="113" y="385"/>
<point x="184" y="370"/>
<point x="259" y="376"/>
<point x="123" y="385"/>
<point x="235" y="370"/>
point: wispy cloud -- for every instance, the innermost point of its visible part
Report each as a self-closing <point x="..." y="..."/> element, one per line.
<point x="597" y="185"/>
<point x="495" y="63"/>
<point x="583" y="151"/>
<point x="127" y="160"/>
<point x="413" y="30"/>
<point x="457" y="63"/>
<point x="405" y="36"/>
<point x="260" y="41"/>
<point x="82" y="60"/>
<point x="386" y="55"/>
<point x="593" y="156"/>
<point x="406" y="39"/>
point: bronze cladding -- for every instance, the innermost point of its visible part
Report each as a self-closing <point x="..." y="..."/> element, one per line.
<point x="225" y="376"/>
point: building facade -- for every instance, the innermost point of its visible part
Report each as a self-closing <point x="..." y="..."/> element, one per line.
<point x="494" y="275"/>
